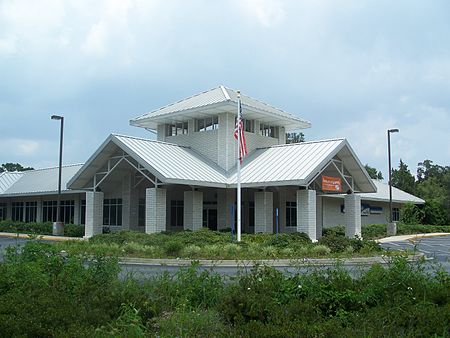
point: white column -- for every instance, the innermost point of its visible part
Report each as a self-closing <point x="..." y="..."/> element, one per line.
<point x="126" y="201"/>
<point x="306" y="213"/>
<point x="282" y="209"/>
<point x="76" y="209"/>
<point x="193" y="210"/>
<point x="39" y="210"/>
<point x="94" y="214"/>
<point x="319" y="213"/>
<point x="352" y="215"/>
<point x="264" y="211"/>
<point x="155" y="210"/>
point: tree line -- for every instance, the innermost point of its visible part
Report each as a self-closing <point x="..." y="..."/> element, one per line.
<point x="431" y="183"/>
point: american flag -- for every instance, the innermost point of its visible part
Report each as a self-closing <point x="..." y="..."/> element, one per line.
<point x="239" y="130"/>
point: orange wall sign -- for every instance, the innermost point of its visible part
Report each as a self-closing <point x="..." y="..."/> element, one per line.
<point x="330" y="183"/>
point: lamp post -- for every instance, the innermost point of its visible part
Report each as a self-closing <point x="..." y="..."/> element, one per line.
<point x="392" y="226"/>
<point x="58" y="226"/>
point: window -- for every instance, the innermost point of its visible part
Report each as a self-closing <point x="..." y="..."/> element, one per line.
<point x="395" y="214"/>
<point x="30" y="211"/>
<point x="49" y="211"/>
<point x="268" y="130"/>
<point x="208" y="123"/>
<point x="112" y="211"/>
<point x="176" y="213"/>
<point x="3" y="211"/>
<point x="249" y="126"/>
<point x="291" y="214"/>
<point x="178" y="128"/>
<point x="17" y="211"/>
<point x="67" y="210"/>
<point x="141" y="212"/>
<point x="83" y="212"/>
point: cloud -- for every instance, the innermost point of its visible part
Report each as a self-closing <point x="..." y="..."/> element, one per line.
<point x="267" y="12"/>
<point x="19" y="147"/>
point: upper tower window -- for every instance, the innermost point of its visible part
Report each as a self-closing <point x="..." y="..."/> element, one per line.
<point x="268" y="130"/>
<point x="207" y="123"/>
<point x="179" y="128"/>
<point x="249" y="125"/>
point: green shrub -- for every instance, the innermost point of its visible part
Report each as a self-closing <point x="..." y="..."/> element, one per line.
<point x="40" y="228"/>
<point x="320" y="250"/>
<point x="410" y="214"/>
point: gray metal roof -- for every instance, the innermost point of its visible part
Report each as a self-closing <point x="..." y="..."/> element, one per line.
<point x="299" y="164"/>
<point x="295" y="164"/>
<point x="40" y="181"/>
<point x="217" y="100"/>
<point x="7" y="179"/>
<point x="170" y="163"/>
<point x="398" y="195"/>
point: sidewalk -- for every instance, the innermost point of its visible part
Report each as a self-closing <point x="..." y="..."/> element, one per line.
<point x="41" y="237"/>
<point x="411" y="237"/>
<point x="280" y="263"/>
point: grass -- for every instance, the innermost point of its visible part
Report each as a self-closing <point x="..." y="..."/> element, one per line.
<point x="207" y="244"/>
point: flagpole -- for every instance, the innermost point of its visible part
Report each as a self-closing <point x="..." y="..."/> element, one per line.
<point x="239" y="172"/>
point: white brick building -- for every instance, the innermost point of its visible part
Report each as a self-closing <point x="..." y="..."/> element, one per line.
<point x="186" y="178"/>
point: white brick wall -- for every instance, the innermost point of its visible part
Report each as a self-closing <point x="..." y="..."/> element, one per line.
<point x="264" y="211"/>
<point x="155" y="210"/>
<point x="352" y="215"/>
<point x="193" y="210"/>
<point x="306" y="213"/>
<point x="94" y="214"/>
<point x="204" y="142"/>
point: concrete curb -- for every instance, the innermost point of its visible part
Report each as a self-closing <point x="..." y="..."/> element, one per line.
<point x="41" y="237"/>
<point x="306" y="262"/>
<point x="411" y="237"/>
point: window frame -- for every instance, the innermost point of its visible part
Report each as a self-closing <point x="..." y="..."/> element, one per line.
<point x="291" y="214"/>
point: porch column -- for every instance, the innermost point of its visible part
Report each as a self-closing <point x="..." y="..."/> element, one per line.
<point x="76" y="209"/>
<point x="264" y="212"/>
<point x="126" y="202"/>
<point x="193" y="210"/>
<point x="155" y="210"/>
<point x="306" y="213"/>
<point x="225" y="198"/>
<point x="352" y="215"/>
<point x="94" y="214"/>
<point x="319" y="218"/>
<point x="39" y="211"/>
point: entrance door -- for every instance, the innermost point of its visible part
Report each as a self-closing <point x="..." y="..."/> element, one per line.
<point x="210" y="218"/>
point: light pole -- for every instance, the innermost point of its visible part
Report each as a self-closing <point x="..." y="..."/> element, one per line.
<point x="392" y="226"/>
<point x="58" y="226"/>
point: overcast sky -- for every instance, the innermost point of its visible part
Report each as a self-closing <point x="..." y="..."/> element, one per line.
<point x="352" y="68"/>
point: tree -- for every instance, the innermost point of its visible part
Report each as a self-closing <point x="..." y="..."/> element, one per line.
<point x="13" y="167"/>
<point x="403" y="179"/>
<point x="295" y="138"/>
<point x="434" y="187"/>
<point x="373" y="172"/>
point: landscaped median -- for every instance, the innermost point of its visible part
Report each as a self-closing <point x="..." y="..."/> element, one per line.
<point x="214" y="245"/>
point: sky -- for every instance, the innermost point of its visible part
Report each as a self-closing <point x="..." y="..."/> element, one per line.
<point x="352" y="68"/>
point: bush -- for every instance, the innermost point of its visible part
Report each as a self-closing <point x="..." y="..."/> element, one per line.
<point x="410" y="214"/>
<point x="42" y="228"/>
